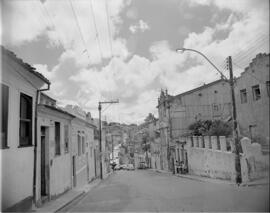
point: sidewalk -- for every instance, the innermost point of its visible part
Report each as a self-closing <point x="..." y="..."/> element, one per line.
<point x="68" y="197"/>
<point x="263" y="181"/>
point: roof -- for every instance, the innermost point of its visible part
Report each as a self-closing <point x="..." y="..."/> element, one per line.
<point x="44" y="94"/>
<point x="27" y="66"/>
<point x="57" y="109"/>
<point x="199" y="88"/>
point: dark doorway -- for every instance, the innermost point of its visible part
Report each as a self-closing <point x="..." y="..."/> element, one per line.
<point x="43" y="175"/>
<point x="74" y="170"/>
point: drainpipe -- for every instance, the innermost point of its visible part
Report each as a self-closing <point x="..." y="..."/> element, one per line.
<point x="35" y="142"/>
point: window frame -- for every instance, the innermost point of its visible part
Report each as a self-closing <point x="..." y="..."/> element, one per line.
<point x="243" y="96"/>
<point x="66" y="138"/>
<point x="5" y="122"/>
<point x="79" y="143"/>
<point x="57" y="138"/>
<point x="255" y="98"/>
<point x="29" y="100"/>
<point x="267" y="83"/>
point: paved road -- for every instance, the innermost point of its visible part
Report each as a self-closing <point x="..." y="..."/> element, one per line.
<point x="144" y="190"/>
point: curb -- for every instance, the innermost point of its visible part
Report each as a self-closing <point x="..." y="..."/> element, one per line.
<point x="207" y="180"/>
<point x="84" y="192"/>
<point x="71" y="201"/>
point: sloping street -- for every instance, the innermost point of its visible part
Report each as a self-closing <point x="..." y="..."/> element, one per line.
<point x="146" y="190"/>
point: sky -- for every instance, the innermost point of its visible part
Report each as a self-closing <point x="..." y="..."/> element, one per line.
<point x="100" y="50"/>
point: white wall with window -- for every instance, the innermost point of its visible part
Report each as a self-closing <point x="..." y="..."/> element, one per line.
<point x="19" y="85"/>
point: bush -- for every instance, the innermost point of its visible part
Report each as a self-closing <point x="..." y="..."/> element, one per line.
<point x="208" y="127"/>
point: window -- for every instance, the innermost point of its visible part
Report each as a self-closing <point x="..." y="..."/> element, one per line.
<point x="83" y="145"/>
<point x="66" y="138"/>
<point x="218" y="143"/>
<point x="256" y="92"/>
<point x="25" y="120"/>
<point x="79" y="144"/>
<point x="4" y="115"/>
<point x="57" y="138"/>
<point x="243" y="96"/>
<point x="268" y="87"/>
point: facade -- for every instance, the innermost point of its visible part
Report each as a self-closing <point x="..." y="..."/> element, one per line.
<point x="54" y="171"/>
<point x="20" y="85"/>
<point x="252" y="98"/>
<point x="208" y="102"/>
<point x="83" y="145"/>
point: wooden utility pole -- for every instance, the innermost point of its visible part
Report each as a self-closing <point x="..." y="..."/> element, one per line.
<point x="100" y="140"/>
<point x="235" y="129"/>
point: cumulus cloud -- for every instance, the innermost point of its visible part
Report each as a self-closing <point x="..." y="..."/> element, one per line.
<point x="141" y="26"/>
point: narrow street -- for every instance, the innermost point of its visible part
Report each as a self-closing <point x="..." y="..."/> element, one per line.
<point x="146" y="190"/>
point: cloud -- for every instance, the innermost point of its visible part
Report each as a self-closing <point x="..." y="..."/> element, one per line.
<point x="140" y="26"/>
<point x="25" y="21"/>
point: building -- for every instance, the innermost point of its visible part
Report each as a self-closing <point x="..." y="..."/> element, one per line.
<point x="83" y="145"/>
<point x="54" y="159"/>
<point x="176" y="113"/>
<point x="20" y="87"/>
<point x="252" y="98"/>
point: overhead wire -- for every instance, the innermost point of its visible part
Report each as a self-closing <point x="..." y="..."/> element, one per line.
<point x="254" y="40"/>
<point x="251" y="49"/>
<point x="52" y="22"/>
<point x="253" y="76"/>
<point x="78" y="25"/>
<point x="109" y="29"/>
<point x="97" y="34"/>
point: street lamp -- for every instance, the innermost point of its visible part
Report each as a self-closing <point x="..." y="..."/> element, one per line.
<point x="235" y="130"/>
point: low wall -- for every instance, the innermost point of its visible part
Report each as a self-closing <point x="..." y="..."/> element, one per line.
<point x="214" y="157"/>
<point x="211" y="157"/>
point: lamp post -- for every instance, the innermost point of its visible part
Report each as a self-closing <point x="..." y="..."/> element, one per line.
<point x="235" y="129"/>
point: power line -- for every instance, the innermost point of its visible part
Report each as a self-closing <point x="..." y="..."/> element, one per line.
<point x="52" y="22"/>
<point x="78" y="25"/>
<point x="253" y="76"/>
<point x="250" y="41"/>
<point x="250" y="50"/>
<point x="95" y="25"/>
<point x="109" y="29"/>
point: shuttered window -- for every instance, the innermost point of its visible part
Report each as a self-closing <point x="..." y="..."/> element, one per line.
<point x="4" y="115"/>
<point x="26" y="107"/>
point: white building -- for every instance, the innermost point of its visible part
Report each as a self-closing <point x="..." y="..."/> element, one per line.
<point x="20" y="85"/>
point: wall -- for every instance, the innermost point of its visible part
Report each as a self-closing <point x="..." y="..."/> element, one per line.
<point x="81" y="161"/>
<point x="59" y="165"/>
<point x="210" y="162"/>
<point x="209" y="102"/>
<point x="253" y="116"/>
<point x="17" y="163"/>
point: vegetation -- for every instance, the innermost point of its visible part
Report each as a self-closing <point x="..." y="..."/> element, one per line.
<point x="208" y="127"/>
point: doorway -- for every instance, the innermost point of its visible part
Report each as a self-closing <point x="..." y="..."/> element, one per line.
<point x="74" y="170"/>
<point x="44" y="163"/>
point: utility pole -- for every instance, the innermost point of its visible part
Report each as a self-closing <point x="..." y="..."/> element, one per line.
<point x="100" y="139"/>
<point x="235" y="129"/>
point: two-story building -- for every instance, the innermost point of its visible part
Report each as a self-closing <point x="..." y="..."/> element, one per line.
<point x="176" y="113"/>
<point x="252" y="98"/>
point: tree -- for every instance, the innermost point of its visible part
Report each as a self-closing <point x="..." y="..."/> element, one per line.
<point x="208" y="127"/>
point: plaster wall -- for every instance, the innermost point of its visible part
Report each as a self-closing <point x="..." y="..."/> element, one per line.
<point x="253" y="116"/>
<point x="60" y="176"/>
<point x="17" y="162"/>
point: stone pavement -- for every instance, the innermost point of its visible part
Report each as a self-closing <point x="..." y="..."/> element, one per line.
<point x="65" y="199"/>
<point x="263" y="181"/>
